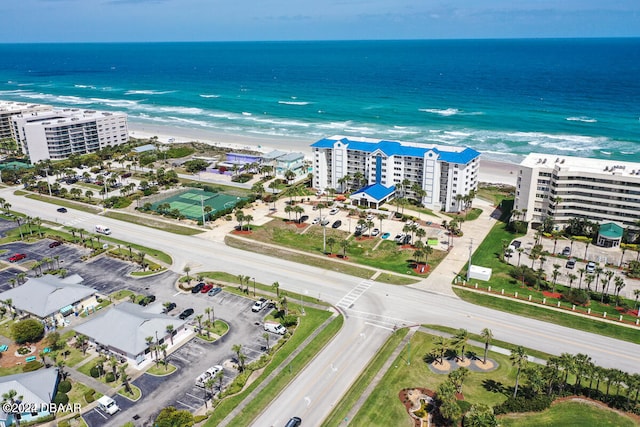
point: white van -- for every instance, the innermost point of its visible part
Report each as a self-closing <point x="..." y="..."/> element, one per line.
<point x="201" y="381"/>
<point x="274" y="327"/>
<point x="108" y="405"/>
<point x="102" y="229"/>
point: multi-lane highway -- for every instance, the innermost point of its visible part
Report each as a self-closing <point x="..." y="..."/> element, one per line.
<point x="372" y="309"/>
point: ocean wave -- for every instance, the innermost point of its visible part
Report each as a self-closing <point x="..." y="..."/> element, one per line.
<point x="446" y="112"/>
<point x="85" y="86"/>
<point x="294" y="102"/>
<point x="583" y="119"/>
<point x="205" y="95"/>
<point x="148" y="92"/>
<point x="244" y="113"/>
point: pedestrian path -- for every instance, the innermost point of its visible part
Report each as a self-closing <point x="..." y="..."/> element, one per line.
<point x="349" y="299"/>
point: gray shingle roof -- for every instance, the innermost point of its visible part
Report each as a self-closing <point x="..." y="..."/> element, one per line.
<point x="126" y="325"/>
<point x="46" y="295"/>
<point x="35" y="387"/>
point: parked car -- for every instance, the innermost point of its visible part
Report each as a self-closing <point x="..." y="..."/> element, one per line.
<point x="259" y="305"/>
<point x="370" y="217"/>
<point x="303" y="218"/>
<point x="386" y="235"/>
<point x="315" y="220"/>
<point x="571" y="263"/>
<point x="516" y="244"/>
<point x="17" y="257"/>
<point x="591" y="267"/>
<point x="406" y="240"/>
<point x="214" y="291"/>
<point x="206" y="288"/>
<point x="334" y="211"/>
<point x="566" y="251"/>
<point x="324" y="222"/>
<point x="55" y="243"/>
<point x="197" y="288"/>
<point x="399" y="237"/>
<point x="169" y="307"/>
<point x="375" y="232"/>
<point x="336" y="224"/>
<point x="188" y="312"/>
<point x="147" y="300"/>
<point x="62" y="210"/>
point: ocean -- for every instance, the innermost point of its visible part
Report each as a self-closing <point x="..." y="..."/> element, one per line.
<point x="505" y="98"/>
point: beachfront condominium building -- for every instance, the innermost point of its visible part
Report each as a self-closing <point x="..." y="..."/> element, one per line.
<point x="380" y="170"/>
<point x="8" y="109"/>
<point x="564" y="187"/>
<point x="59" y="133"/>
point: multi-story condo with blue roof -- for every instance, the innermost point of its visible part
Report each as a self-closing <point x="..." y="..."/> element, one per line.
<point x="440" y="172"/>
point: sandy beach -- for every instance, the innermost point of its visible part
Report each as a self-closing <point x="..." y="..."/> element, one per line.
<point x="491" y="171"/>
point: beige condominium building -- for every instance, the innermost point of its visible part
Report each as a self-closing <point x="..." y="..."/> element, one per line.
<point x="59" y="133"/>
<point x="441" y="172"/>
<point x="564" y="187"/>
<point x="9" y="109"/>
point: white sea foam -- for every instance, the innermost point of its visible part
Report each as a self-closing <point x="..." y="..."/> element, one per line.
<point x="294" y="102"/>
<point x="583" y="119"/>
<point x="446" y="112"/>
<point x="244" y="113"/>
<point x="148" y="92"/>
<point x="85" y="86"/>
<point x="204" y="95"/>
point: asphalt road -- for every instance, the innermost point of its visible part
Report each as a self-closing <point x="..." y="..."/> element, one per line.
<point x="376" y="308"/>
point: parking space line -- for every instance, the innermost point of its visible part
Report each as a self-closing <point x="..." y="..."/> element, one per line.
<point x="195" y="397"/>
<point x="188" y="406"/>
<point x="100" y="413"/>
<point x="180" y="358"/>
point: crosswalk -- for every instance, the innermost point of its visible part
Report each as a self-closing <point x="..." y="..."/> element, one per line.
<point x="349" y="299"/>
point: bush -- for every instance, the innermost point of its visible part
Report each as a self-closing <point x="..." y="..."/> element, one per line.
<point x="64" y="386"/>
<point x="109" y="377"/>
<point x="32" y="366"/>
<point x="94" y="372"/>
<point x="577" y="296"/>
<point x="89" y="396"/>
<point x="28" y="330"/>
<point x="289" y="320"/>
<point x="522" y="404"/>
<point x="199" y="418"/>
<point x="61" y="398"/>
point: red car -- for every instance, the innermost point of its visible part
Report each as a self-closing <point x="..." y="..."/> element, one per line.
<point x="55" y="243"/>
<point x="206" y="288"/>
<point x="17" y="257"/>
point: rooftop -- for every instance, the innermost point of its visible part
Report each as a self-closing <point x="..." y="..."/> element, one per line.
<point x="375" y="191"/>
<point x="43" y="296"/>
<point x="35" y="387"/>
<point x="450" y="154"/>
<point x="581" y="164"/>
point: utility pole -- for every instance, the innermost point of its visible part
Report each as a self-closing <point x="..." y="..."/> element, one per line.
<point x="202" y="207"/>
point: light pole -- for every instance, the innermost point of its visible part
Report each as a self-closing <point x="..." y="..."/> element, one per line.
<point x="48" y="183"/>
<point x="202" y="207"/>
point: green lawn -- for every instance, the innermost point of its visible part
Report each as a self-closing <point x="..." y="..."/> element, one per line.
<point x="152" y="223"/>
<point x="384" y="408"/>
<point x="313" y="319"/>
<point x="64" y="202"/>
<point x="345" y="404"/>
<point x="568" y="414"/>
<point x="135" y="395"/>
<point x="552" y="316"/>
<point x="161" y="370"/>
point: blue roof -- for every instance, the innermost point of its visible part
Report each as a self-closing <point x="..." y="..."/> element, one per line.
<point x="391" y="148"/>
<point x="376" y="191"/>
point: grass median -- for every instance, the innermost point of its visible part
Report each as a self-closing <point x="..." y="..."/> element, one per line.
<point x="153" y="223"/>
<point x="309" y="323"/>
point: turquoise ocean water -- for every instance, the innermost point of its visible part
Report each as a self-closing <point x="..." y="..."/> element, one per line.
<point x="505" y="98"/>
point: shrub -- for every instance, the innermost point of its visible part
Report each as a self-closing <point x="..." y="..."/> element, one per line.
<point x="577" y="296"/>
<point x="32" y="366"/>
<point x="61" y="398"/>
<point x="64" y="386"/>
<point x="199" y="418"/>
<point x="522" y="404"/>
<point x="109" y="377"/>
<point x="89" y="396"/>
<point x="28" y="330"/>
<point x="289" y="320"/>
<point x="94" y="372"/>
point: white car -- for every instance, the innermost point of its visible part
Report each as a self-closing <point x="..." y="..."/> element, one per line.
<point x="375" y="232"/>
<point x="399" y="237"/>
<point x="259" y="305"/>
<point x="334" y="211"/>
<point x="316" y="220"/>
<point x="370" y="217"/>
<point x="591" y="267"/>
<point x="324" y="222"/>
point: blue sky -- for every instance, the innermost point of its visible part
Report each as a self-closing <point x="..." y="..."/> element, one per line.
<point x="221" y="20"/>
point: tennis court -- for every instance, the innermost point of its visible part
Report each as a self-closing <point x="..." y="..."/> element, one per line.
<point x="191" y="203"/>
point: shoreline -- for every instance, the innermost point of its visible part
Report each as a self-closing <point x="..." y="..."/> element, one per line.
<point x="491" y="171"/>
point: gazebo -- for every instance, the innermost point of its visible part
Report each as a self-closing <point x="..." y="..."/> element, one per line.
<point x="609" y="235"/>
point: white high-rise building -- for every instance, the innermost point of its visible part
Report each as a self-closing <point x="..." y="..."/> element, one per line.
<point x="564" y="187"/>
<point x="59" y="133"/>
<point x="8" y="109"/>
<point x="441" y="172"/>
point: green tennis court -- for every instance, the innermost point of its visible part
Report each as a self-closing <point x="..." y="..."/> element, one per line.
<point x="191" y="203"/>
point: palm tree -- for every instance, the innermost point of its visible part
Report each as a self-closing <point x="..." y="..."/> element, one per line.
<point x="589" y="278"/>
<point x="82" y="340"/>
<point x="237" y="349"/>
<point x="571" y="277"/>
<point x="276" y="286"/>
<point x="636" y="293"/>
<point x="608" y="275"/>
<point x="619" y="284"/>
<point x="458" y="376"/>
<point x="199" y="320"/>
<point x="169" y="330"/>
<point x="266" y="337"/>
<point x="519" y="361"/>
<point x="487" y="336"/>
<point x="125" y="378"/>
<point x="331" y="241"/>
<point x="460" y="340"/>
<point x="581" y="271"/>
<point x="440" y="346"/>
<point x="344" y="244"/>
<point x="10" y="397"/>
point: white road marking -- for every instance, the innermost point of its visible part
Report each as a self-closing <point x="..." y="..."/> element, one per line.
<point x="349" y="299"/>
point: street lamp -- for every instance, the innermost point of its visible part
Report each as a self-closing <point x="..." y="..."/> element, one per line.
<point x="469" y="268"/>
<point x="202" y="207"/>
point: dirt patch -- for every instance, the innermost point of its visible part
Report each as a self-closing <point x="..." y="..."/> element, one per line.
<point x="11" y="357"/>
<point x="422" y="268"/>
<point x="241" y="232"/>
<point x="555" y="295"/>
